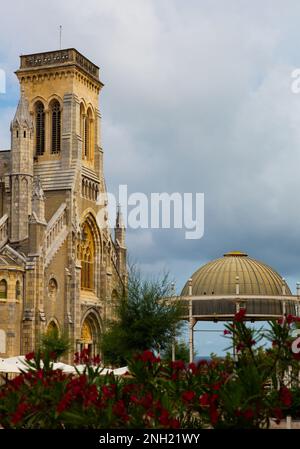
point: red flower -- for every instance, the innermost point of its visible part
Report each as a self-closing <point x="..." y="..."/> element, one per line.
<point x="203" y="363"/>
<point x="29" y="356"/>
<point x="239" y="316"/>
<point x="193" y="367"/>
<point x="97" y="360"/>
<point x="277" y="412"/>
<point x="227" y="332"/>
<point x="17" y="382"/>
<point x="248" y="414"/>
<point x="164" y="417"/>
<point x="214" y="415"/>
<point x="174" y="424"/>
<point x="178" y="365"/>
<point x="188" y="396"/>
<point x="63" y="404"/>
<point x="134" y="399"/>
<point x="204" y="399"/>
<point x="239" y="347"/>
<point x="19" y="413"/>
<point x="108" y="391"/>
<point x="286" y="396"/>
<point x="147" y="401"/>
<point x="290" y="319"/>
<point x="148" y="356"/>
<point x="119" y="409"/>
<point x="53" y="355"/>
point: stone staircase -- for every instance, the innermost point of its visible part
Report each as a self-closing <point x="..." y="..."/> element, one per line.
<point x="56" y="233"/>
<point x="3" y="230"/>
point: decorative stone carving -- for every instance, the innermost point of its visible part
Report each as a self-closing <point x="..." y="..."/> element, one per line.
<point x="52" y="289"/>
<point x="37" y="188"/>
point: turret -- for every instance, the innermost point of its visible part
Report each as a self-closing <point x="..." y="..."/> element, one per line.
<point x="21" y="171"/>
<point x="120" y="229"/>
<point x="120" y="244"/>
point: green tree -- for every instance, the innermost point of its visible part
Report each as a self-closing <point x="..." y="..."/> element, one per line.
<point x="146" y="319"/>
<point x="182" y="351"/>
<point x="55" y="344"/>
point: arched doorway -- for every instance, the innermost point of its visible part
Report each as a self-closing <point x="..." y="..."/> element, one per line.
<point x="90" y="335"/>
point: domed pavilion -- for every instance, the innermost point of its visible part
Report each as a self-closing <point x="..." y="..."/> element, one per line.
<point x="219" y="289"/>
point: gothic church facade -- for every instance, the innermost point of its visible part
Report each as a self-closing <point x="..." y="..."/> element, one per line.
<point x="60" y="266"/>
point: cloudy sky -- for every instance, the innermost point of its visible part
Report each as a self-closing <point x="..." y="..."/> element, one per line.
<point x="197" y="98"/>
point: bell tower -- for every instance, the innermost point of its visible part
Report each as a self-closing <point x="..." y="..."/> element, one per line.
<point x="62" y="88"/>
<point x="63" y="91"/>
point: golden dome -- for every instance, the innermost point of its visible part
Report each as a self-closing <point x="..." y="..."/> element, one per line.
<point x="219" y="277"/>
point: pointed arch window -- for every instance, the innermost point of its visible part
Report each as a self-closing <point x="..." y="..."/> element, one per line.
<point x="39" y="128"/>
<point x="86" y="138"/>
<point x="82" y="126"/>
<point x="87" y="258"/>
<point x="3" y="289"/>
<point x="55" y="111"/>
<point x="88" y="133"/>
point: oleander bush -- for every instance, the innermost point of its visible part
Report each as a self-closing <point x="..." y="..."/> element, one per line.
<point x="245" y="391"/>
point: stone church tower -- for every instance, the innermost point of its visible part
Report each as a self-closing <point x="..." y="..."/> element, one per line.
<point x="60" y="267"/>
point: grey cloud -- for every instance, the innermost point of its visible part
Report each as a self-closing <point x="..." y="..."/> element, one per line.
<point x="196" y="99"/>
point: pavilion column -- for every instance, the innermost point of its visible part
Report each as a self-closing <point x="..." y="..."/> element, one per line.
<point x="174" y="350"/>
<point x="283" y="294"/>
<point x="191" y="323"/>
<point x="298" y="298"/>
<point x="174" y="339"/>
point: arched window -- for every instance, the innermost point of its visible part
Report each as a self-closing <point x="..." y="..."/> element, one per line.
<point x="18" y="291"/>
<point x="55" y="127"/>
<point x="87" y="258"/>
<point x="39" y="128"/>
<point x="88" y="136"/>
<point x="82" y="125"/>
<point x="3" y="289"/>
